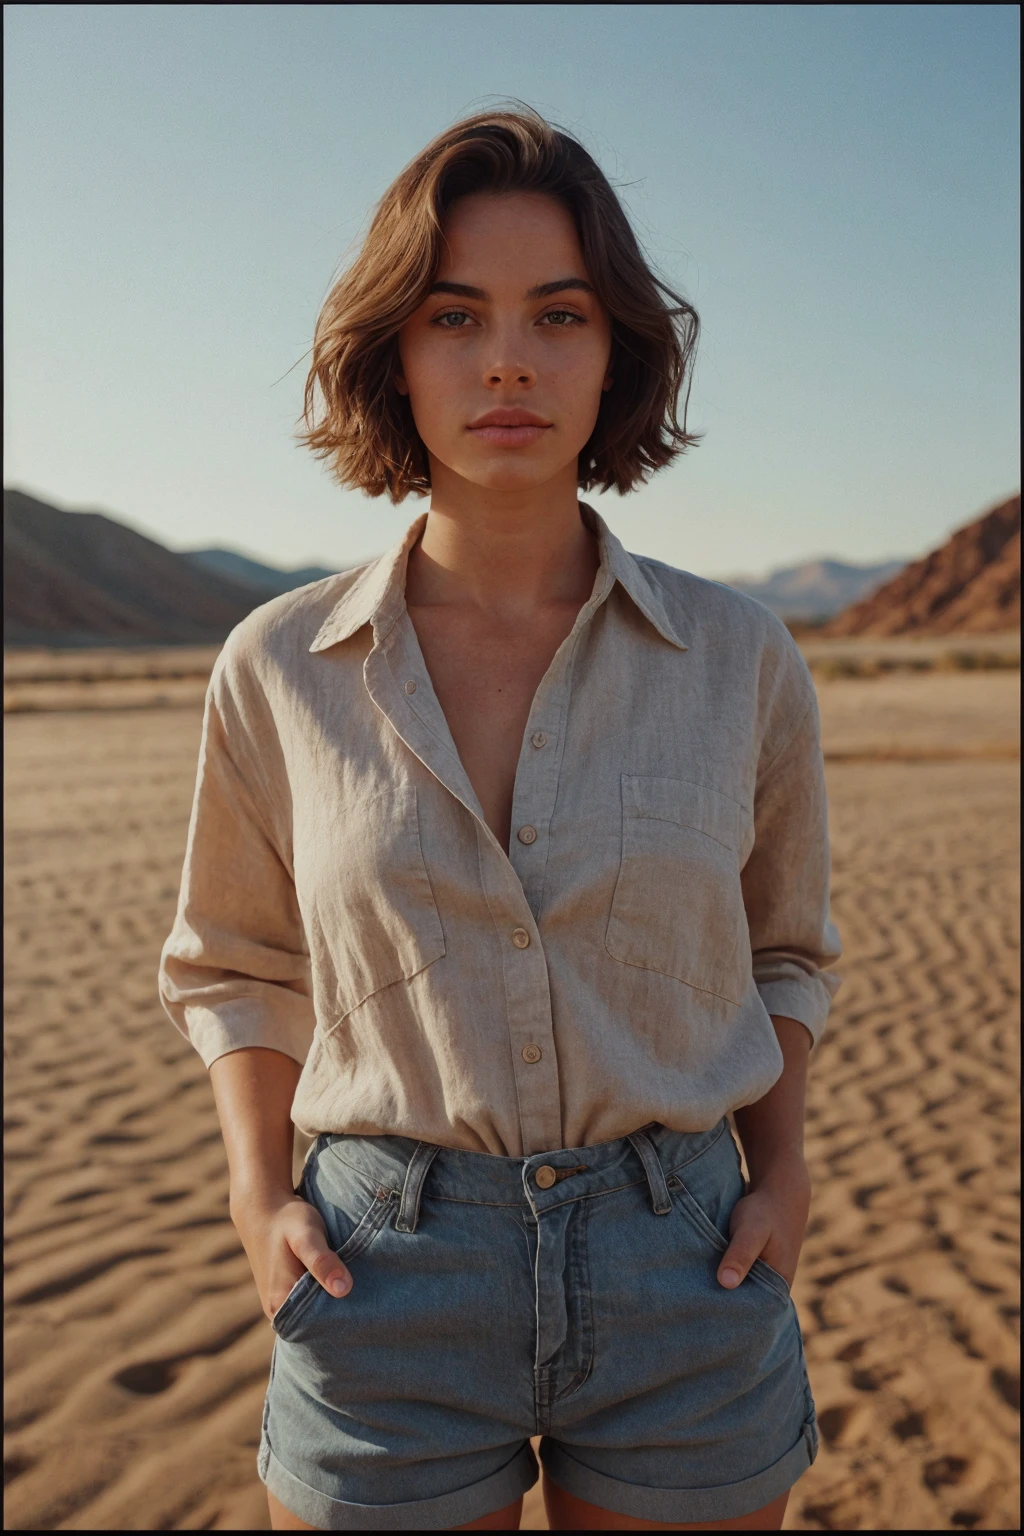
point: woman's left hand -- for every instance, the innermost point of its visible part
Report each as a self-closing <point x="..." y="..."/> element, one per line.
<point x="768" y="1223"/>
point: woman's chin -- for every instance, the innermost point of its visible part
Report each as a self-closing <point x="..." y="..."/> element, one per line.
<point x="513" y="472"/>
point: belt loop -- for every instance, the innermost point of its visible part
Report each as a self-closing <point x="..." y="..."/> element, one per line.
<point x="310" y="1161"/>
<point x="412" y="1189"/>
<point x="644" y="1149"/>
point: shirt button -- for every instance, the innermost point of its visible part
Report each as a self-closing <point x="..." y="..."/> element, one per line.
<point x="527" y="834"/>
<point x="410" y="686"/>
<point x="539" y="739"/>
<point x="531" y="1053"/>
<point x="544" y="1177"/>
<point x="520" y="938"/>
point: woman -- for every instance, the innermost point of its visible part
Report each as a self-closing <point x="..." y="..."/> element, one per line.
<point x="507" y="882"/>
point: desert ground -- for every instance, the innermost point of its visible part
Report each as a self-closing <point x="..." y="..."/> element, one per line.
<point x="136" y="1350"/>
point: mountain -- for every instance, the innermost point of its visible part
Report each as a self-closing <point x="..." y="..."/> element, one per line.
<point x="79" y="578"/>
<point x="267" y="580"/>
<point x="970" y="585"/>
<point x="817" y="589"/>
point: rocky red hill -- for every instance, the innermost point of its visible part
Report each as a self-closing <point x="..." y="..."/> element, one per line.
<point x="969" y="586"/>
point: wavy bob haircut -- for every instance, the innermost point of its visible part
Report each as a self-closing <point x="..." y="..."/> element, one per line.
<point x="355" y="417"/>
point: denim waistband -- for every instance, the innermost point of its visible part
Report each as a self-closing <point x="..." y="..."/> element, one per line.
<point x="541" y="1182"/>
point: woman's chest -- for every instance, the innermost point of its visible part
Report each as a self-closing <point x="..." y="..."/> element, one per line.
<point x="485" y="675"/>
<point x="631" y="817"/>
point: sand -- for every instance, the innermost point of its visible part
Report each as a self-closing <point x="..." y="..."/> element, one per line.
<point x="932" y="717"/>
<point x="143" y="677"/>
<point x="136" y="1348"/>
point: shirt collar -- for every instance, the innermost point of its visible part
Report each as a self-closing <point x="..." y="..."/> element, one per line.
<point x="377" y="596"/>
<point x="618" y="565"/>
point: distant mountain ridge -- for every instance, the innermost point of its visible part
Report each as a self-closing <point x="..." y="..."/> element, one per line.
<point x="817" y="589"/>
<point x="968" y="586"/>
<point x="82" y="579"/>
<point x="265" y="579"/>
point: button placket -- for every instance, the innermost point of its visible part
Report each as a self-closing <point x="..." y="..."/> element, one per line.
<point x="536" y="787"/>
<point x="527" y="1002"/>
<point x="421" y="724"/>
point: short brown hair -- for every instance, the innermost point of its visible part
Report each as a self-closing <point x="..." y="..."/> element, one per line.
<point x="366" y="430"/>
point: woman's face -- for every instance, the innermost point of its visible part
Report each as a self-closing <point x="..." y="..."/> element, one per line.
<point x="505" y="360"/>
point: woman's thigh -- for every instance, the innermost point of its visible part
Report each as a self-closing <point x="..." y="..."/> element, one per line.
<point x="567" y="1513"/>
<point x="507" y="1519"/>
<point x="282" y="1519"/>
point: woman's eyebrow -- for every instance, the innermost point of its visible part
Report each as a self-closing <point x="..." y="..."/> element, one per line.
<point x="460" y="290"/>
<point x="560" y="285"/>
<point x="541" y="291"/>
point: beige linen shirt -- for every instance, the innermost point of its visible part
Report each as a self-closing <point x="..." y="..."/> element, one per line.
<point x="666" y="888"/>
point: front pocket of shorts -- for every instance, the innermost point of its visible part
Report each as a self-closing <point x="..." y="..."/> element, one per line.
<point x="678" y="903"/>
<point x="706" y="1229"/>
<point x="294" y="1303"/>
<point x="290" y="1314"/>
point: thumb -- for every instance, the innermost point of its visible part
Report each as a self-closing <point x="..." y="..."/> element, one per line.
<point x="750" y="1233"/>
<point x="322" y="1262"/>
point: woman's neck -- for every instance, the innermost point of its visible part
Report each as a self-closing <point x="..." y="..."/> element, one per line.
<point x="508" y="553"/>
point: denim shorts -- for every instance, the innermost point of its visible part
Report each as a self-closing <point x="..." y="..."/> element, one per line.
<point x="571" y="1295"/>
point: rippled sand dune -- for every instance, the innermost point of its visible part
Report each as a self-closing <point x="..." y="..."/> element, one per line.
<point x="136" y="1349"/>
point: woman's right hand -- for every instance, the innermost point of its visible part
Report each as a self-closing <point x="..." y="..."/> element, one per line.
<point x="282" y="1234"/>
<point x="283" y="1238"/>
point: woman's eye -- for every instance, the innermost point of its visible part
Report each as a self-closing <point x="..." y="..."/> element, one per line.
<point x="452" y="319"/>
<point x="563" y="317"/>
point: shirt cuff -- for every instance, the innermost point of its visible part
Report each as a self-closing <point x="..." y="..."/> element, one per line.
<point x="287" y="1027"/>
<point x="807" y="1000"/>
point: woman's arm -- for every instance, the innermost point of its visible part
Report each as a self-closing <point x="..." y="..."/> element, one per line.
<point x="768" y="1223"/>
<point x="786" y="882"/>
<point x="281" y="1233"/>
<point x="235" y="972"/>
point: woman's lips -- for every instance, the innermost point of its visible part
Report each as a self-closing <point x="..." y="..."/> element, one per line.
<point x="510" y="429"/>
<point x="510" y="437"/>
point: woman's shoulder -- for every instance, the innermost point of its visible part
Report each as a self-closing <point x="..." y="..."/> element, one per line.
<point x="281" y="632"/>
<point x="268" y="660"/>
<point x="742" y="645"/>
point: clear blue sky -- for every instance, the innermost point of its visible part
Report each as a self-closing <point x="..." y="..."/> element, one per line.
<point x="835" y="188"/>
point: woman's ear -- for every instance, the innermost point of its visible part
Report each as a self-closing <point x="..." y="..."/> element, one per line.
<point x="608" y="382"/>
<point x="400" y="384"/>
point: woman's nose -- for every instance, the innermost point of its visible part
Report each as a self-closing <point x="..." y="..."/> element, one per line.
<point x="510" y="373"/>
<point x="509" y="362"/>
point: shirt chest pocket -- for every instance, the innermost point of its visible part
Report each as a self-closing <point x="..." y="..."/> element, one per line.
<point x="374" y="897"/>
<point x="678" y="903"/>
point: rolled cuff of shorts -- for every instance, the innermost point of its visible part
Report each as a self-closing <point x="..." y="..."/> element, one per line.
<point x="438" y="1514"/>
<point x="676" y="1506"/>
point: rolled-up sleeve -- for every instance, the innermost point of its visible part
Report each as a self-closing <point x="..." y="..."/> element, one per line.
<point x="235" y="969"/>
<point x="786" y="878"/>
